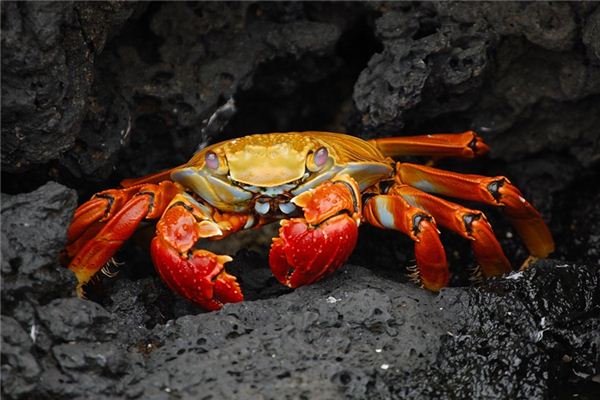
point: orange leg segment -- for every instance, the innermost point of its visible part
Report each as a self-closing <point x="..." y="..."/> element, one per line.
<point x="91" y="250"/>
<point x="100" y="208"/>
<point x="393" y="212"/>
<point x="465" y="145"/>
<point x="310" y="248"/>
<point x="470" y="224"/>
<point x="496" y="191"/>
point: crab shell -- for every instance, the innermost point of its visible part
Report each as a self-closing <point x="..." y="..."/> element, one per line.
<point x="278" y="166"/>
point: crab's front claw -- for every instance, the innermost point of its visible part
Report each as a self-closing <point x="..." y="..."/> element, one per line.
<point x="312" y="247"/>
<point x="197" y="275"/>
<point x="303" y="254"/>
<point x="200" y="277"/>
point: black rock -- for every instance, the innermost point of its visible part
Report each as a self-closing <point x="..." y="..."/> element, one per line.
<point x="75" y="319"/>
<point x="33" y="233"/>
<point x="20" y="369"/>
<point x="48" y="52"/>
<point x="96" y="92"/>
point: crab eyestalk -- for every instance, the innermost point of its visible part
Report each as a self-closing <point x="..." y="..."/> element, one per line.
<point x="310" y="248"/>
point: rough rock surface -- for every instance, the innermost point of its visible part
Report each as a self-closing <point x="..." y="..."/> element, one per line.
<point x="48" y="54"/>
<point x="32" y="234"/>
<point x="95" y="92"/>
<point x="355" y="335"/>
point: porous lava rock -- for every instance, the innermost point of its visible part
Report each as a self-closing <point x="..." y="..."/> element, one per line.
<point x="48" y="54"/>
<point x="96" y="92"/>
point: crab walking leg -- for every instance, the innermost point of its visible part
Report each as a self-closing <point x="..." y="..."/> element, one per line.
<point x="92" y="215"/>
<point x="470" y="224"/>
<point x="393" y="212"/>
<point x="465" y="145"/>
<point x="496" y="191"/>
<point x="148" y="203"/>
<point x="310" y="248"/>
<point x="195" y="274"/>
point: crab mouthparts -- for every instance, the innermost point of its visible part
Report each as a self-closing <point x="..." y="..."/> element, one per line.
<point x="275" y="207"/>
<point x="261" y="207"/>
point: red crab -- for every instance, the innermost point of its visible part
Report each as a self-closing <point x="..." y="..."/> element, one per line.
<point x="321" y="186"/>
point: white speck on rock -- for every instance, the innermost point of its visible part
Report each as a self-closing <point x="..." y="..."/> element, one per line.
<point x="33" y="333"/>
<point x="515" y="275"/>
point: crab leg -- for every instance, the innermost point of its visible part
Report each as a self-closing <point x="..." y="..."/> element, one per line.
<point x="91" y="251"/>
<point x="470" y="224"/>
<point x="496" y="191"/>
<point x="198" y="275"/>
<point x="391" y="211"/>
<point x="466" y="145"/>
<point x="92" y="215"/>
<point x="310" y="248"/>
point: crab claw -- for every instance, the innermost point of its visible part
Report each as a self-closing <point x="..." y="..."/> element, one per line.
<point x="313" y="247"/>
<point x="197" y="275"/>
<point x="200" y="278"/>
<point x="303" y="254"/>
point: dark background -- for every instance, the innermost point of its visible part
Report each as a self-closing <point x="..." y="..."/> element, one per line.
<point x="96" y="92"/>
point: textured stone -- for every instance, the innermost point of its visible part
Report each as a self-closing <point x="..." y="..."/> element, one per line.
<point x="45" y="87"/>
<point x="20" y="370"/>
<point x="74" y="319"/>
<point x="33" y="231"/>
<point x="124" y="89"/>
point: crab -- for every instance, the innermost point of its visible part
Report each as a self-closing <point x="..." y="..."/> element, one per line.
<point x="320" y="186"/>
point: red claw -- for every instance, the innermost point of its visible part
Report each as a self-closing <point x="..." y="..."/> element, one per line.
<point x="197" y="275"/>
<point x="303" y="254"/>
<point x="311" y="248"/>
<point x="199" y="278"/>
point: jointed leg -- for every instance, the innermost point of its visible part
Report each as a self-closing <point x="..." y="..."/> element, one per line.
<point x="391" y="211"/>
<point x="104" y="223"/>
<point x="496" y="191"/>
<point x="470" y="224"/>
<point x="464" y="145"/>
<point x="92" y="215"/>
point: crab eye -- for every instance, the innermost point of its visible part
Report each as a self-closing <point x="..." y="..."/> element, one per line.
<point x="212" y="160"/>
<point x="321" y="156"/>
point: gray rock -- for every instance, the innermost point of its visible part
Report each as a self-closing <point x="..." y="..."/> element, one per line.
<point x="437" y="63"/>
<point x="20" y="370"/>
<point x="33" y="232"/>
<point x="89" y="357"/>
<point x="356" y="335"/>
<point x="591" y="37"/>
<point x="74" y="319"/>
<point x="125" y="89"/>
<point x="45" y="88"/>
